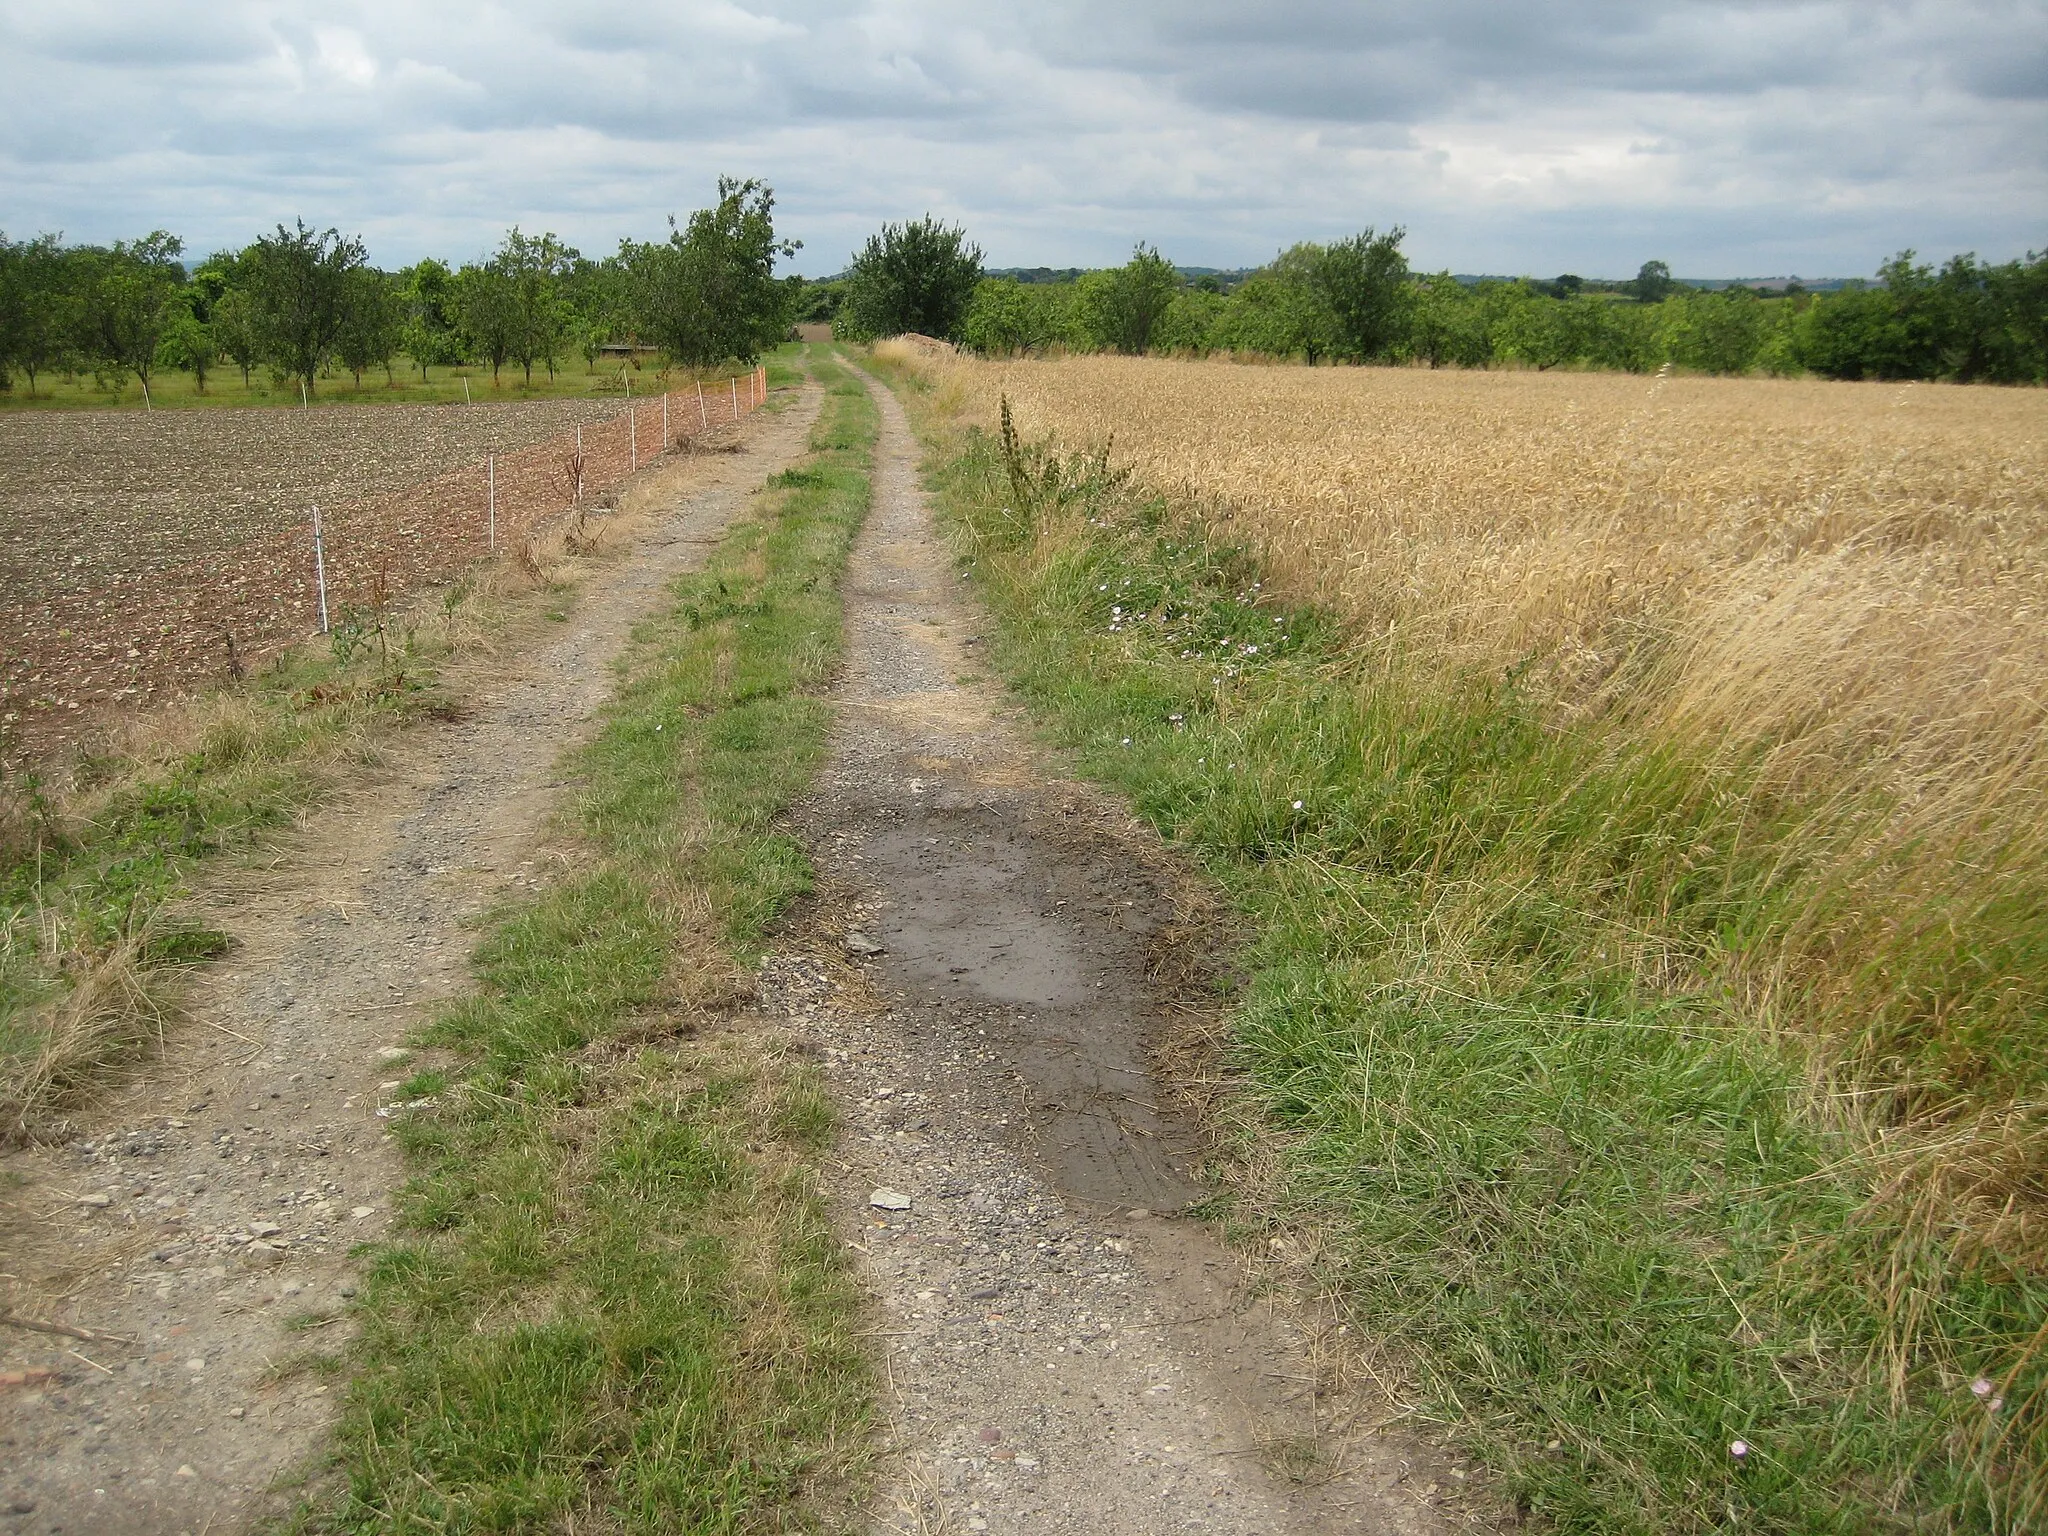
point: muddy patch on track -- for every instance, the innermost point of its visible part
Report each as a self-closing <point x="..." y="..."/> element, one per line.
<point x="1065" y="1351"/>
<point x="201" y="1226"/>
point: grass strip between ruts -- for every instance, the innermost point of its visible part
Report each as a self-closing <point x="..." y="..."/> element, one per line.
<point x="1588" y="1205"/>
<point x="613" y="1299"/>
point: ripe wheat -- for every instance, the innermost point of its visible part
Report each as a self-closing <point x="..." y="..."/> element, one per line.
<point x="1833" y="594"/>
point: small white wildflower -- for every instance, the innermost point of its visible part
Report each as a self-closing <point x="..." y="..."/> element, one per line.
<point x="1995" y="1404"/>
<point x="1297" y="805"/>
<point x="1981" y="1387"/>
<point x="1127" y="741"/>
<point x="1739" y="1449"/>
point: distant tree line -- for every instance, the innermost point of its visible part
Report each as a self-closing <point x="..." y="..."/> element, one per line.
<point x="300" y="302"/>
<point x="1357" y="301"/>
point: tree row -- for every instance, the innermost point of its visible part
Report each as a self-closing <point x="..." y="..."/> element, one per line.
<point x="1357" y="301"/>
<point x="300" y="301"/>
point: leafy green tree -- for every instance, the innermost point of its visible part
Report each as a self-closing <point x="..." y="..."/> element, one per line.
<point x="187" y="340"/>
<point x="1189" y="325"/>
<point x="709" y="292"/>
<point x="1652" y="283"/>
<point x="427" y="328"/>
<point x="1445" y="325"/>
<point x="37" y="305"/>
<point x="594" y="293"/>
<point x="485" y="313"/>
<point x="918" y="277"/>
<point x="1008" y="317"/>
<point x="1897" y="331"/>
<point x="534" y="267"/>
<point x="1712" y="332"/>
<point x="1992" y="319"/>
<point x="1119" y="309"/>
<point x="298" y="282"/>
<point x="128" y="295"/>
<point x="1279" y="311"/>
<point x="1364" y="281"/>
<point x="372" y="320"/>
<point x="235" y="330"/>
<point x="999" y="319"/>
<point x="1627" y="337"/>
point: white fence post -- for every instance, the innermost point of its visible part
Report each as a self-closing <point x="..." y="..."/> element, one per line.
<point x="703" y="416"/>
<point x="632" y="439"/>
<point x="320" y="564"/>
<point x="579" y="461"/>
<point x="666" y="440"/>
<point x="491" y="474"/>
<point x="735" y="400"/>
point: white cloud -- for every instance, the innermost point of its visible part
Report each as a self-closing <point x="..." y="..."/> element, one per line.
<point x="1727" y="136"/>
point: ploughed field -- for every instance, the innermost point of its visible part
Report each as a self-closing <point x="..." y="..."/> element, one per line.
<point x="132" y="545"/>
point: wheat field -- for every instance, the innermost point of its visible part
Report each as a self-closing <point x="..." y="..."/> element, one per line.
<point x="1831" y="594"/>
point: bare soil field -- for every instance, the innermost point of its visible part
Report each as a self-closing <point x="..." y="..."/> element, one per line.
<point x="132" y="546"/>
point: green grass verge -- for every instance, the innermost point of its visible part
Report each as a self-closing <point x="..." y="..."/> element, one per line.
<point x="616" y="1302"/>
<point x="1597" y="1212"/>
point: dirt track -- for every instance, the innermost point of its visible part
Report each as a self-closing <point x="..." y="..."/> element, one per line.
<point x="1064" y="1354"/>
<point x="264" y="1111"/>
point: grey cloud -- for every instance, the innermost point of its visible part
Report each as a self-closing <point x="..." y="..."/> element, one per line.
<point x="1748" y="136"/>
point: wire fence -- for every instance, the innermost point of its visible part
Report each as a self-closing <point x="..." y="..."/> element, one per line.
<point x="372" y="550"/>
<point x="196" y="620"/>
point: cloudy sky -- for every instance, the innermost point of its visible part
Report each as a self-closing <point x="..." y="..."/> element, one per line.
<point x="1729" y="138"/>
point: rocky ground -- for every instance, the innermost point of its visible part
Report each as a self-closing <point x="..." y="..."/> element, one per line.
<point x="201" y="1227"/>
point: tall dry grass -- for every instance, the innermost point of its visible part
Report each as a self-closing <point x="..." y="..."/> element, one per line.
<point x="1828" y="599"/>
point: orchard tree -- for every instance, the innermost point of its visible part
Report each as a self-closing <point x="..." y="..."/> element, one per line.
<point x="533" y="267"/>
<point x="709" y="292"/>
<point x="129" y="296"/>
<point x="1122" y="307"/>
<point x="427" y="327"/>
<point x="1652" y="283"/>
<point x="595" y="299"/>
<point x="485" y="313"/>
<point x="1364" y="281"/>
<point x="299" y="283"/>
<point x="37" y="305"/>
<point x="235" y="330"/>
<point x="370" y="322"/>
<point x="187" y="341"/>
<point x="913" y="277"/>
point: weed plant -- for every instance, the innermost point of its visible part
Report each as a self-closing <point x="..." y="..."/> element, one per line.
<point x="615" y="1301"/>
<point x="1492" y="1070"/>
